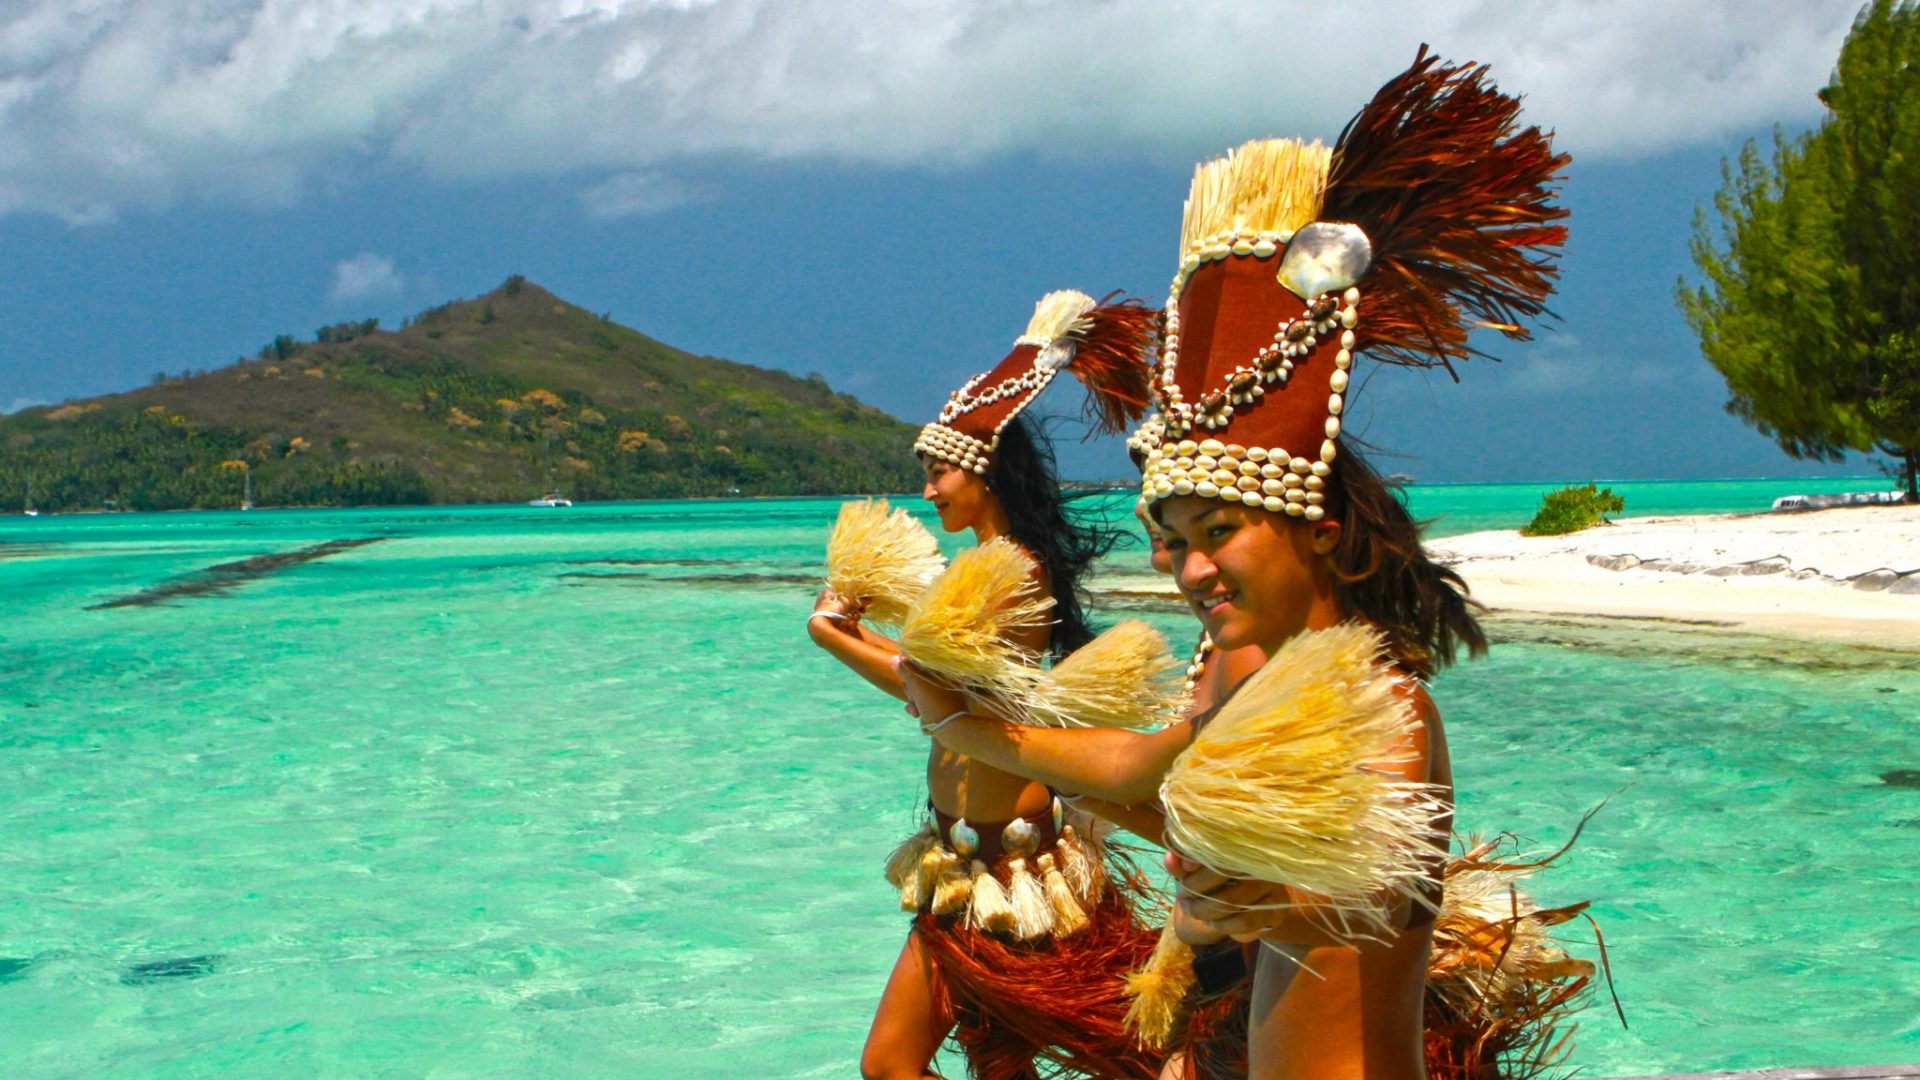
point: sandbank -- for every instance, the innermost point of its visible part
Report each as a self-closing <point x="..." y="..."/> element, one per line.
<point x="1846" y="581"/>
<point x="1844" y="575"/>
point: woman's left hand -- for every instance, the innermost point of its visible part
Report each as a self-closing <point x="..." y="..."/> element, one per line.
<point x="926" y="698"/>
<point x="1238" y="907"/>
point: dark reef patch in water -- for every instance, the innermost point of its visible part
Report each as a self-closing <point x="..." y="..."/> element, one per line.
<point x="226" y="577"/>
<point x="1697" y="641"/>
<point x="1903" y="778"/>
<point x="656" y="562"/>
<point x="14" y="968"/>
<point x="174" y="967"/>
<point x="722" y="580"/>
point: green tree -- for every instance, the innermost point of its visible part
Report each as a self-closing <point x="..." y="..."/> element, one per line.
<point x="1809" y="303"/>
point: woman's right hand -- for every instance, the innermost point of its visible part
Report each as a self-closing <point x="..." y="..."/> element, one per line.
<point x="1188" y="927"/>
<point x="843" y="612"/>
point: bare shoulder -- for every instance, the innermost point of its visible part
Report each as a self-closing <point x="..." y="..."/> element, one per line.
<point x="1426" y="738"/>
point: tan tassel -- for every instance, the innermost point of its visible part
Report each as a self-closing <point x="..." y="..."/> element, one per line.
<point x="1032" y="915"/>
<point x="951" y="891"/>
<point x="990" y="911"/>
<point x="1068" y="916"/>
<point x="1079" y="865"/>
<point x="1158" y="989"/>
<point x="906" y="858"/>
<point x="926" y="874"/>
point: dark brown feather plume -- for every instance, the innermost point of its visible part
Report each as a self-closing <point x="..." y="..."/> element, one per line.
<point x="1458" y="202"/>
<point x="1112" y="360"/>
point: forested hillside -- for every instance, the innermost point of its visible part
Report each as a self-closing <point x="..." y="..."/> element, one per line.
<point x="487" y="400"/>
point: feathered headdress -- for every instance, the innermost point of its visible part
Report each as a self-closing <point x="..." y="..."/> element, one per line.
<point x="1106" y="346"/>
<point x="1430" y="217"/>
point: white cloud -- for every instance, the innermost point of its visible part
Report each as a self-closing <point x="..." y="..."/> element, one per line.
<point x="110" y="103"/>
<point x="635" y="194"/>
<point x="366" y="276"/>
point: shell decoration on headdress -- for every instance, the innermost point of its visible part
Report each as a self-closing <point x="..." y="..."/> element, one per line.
<point x="1107" y="346"/>
<point x="1431" y="216"/>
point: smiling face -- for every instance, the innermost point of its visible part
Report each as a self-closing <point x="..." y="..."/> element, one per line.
<point x="959" y="496"/>
<point x="1253" y="577"/>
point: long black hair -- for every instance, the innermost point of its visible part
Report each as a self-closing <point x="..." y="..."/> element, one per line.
<point x="1023" y="477"/>
<point x="1382" y="572"/>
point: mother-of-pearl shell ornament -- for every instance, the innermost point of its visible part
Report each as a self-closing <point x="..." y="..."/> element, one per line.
<point x="1325" y="257"/>
<point x="1020" y="838"/>
<point x="964" y="839"/>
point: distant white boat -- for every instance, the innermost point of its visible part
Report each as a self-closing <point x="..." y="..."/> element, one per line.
<point x="246" y="498"/>
<point x="551" y="498"/>
<point x="26" y="506"/>
<point x="1828" y="502"/>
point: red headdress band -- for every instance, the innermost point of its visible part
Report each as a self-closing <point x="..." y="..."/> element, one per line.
<point x="1106" y="346"/>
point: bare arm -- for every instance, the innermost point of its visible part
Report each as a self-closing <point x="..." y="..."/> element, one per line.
<point x="1144" y="821"/>
<point x="835" y="627"/>
<point x="1117" y="766"/>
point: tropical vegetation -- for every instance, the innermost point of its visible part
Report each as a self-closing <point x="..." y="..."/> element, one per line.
<point x="1809" y="303"/>
<point x="493" y="399"/>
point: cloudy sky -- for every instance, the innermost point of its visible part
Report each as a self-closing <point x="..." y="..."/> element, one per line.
<point x="876" y="191"/>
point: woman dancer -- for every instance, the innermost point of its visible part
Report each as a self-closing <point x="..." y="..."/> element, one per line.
<point x="1438" y="207"/>
<point x="1011" y="996"/>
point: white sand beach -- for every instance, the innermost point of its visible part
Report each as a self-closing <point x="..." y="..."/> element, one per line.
<point x="1849" y="574"/>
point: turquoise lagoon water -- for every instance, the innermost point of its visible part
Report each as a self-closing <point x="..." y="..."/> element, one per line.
<point x="512" y="792"/>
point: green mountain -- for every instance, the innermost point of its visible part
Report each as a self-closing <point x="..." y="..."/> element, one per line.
<point x="495" y="399"/>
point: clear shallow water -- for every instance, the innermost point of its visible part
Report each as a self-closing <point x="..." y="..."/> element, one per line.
<point x="513" y="792"/>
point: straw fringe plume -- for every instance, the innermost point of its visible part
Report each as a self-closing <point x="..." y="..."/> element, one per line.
<point x="959" y="628"/>
<point x="1057" y="315"/>
<point x="1126" y="678"/>
<point x="884" y="557"/>
<point x="1264" y="190"/>
<point x="959" y="631"/>
<point x="1283" y="785"/>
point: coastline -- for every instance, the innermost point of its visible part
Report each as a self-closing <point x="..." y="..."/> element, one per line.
<point x="1847" y="575"/>
<point x="1844" y="577"/>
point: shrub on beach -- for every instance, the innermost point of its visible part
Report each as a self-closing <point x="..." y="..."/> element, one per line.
<point x="1573" y="508"/>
